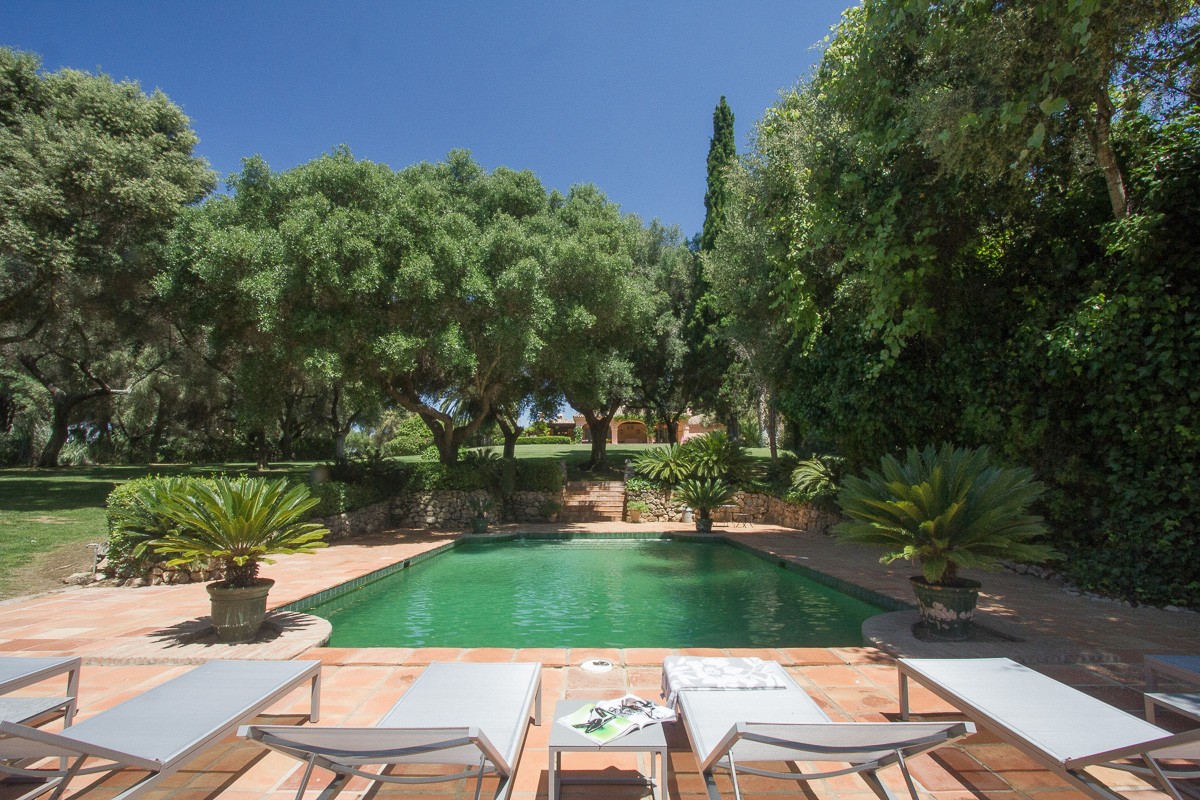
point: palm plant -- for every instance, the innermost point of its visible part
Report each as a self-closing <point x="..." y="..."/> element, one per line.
<point x="945" y="508"/>
<point x="239" y="522"/>
<point x="715" y="455"/>
<point x="667" y="465"/>
<point x="816" y="479"/>
<point x="705" y="495"/>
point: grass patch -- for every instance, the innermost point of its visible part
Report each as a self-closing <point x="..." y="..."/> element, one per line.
<point x="50" y="515"/>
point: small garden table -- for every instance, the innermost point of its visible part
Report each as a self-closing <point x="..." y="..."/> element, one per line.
<point x="566" y="740"/>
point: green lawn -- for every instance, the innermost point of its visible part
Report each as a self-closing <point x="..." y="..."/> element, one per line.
<point x="48" y="516"/>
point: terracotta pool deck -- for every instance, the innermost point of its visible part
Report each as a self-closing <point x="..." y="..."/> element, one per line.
<point x="131" y="640"/>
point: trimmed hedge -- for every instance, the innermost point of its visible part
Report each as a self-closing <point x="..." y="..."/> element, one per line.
<point x="544" y="440"/>
<point x="338" y="497"/>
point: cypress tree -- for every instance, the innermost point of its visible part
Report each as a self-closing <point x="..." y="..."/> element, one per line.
<point x="722" y="150"/>
<point x="710" y="357"/>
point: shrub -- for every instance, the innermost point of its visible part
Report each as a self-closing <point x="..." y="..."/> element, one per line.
<point x="816" y="479"/>
<point x="539" y="476"/>
<point x="412" y="435"/>
<point x="636" y="484"/>
<point x="135" y="518"/>
<point x="544" y="440"/>
<point x="336" y="497"/>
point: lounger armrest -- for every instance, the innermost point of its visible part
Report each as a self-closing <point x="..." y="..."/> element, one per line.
<point x="22" y="741"/>
<point x="371" y="745"/>
<point x="1173" y="746"/>
<point x="853" y="742"/>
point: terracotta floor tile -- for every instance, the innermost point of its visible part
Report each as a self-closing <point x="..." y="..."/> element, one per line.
<point x="547" y="656"/>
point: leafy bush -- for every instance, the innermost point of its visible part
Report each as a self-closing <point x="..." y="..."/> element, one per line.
<point x="816" y="480"/>
<point x="945" y="508"/>
<point x="336" y="497"/>
<point x="135" y="518"/>
<point x="539" y="476"/>
<point x="411" y="436"/>
<point x="544" y="440"/>
<point x="636" y="484"/>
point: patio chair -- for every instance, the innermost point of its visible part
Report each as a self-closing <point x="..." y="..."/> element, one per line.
<point x="467" y="715"/>
<point x="18" y="672"/>
<point x="1059" y="726"/>
<point x="731" y="729"/>
<point x="158" y="731"/>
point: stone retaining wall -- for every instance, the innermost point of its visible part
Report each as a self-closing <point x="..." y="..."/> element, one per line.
<point x="762" y="508"/>
<point x="452" y="509"/>
<point x="361" y="521"/>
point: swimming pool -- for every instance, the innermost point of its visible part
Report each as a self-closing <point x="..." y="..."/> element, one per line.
<point x="595" y="593"/>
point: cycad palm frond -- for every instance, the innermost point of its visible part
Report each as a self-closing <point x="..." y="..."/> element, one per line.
<point x="946" y="508"/>
<point x="241" y="521"/>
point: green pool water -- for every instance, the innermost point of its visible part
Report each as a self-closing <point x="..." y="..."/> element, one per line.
<point x="599" y="593"/>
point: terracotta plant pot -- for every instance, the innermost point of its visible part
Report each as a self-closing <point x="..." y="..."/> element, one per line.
<point x="947" y="609"/>
<point x="704" y="524"/>
<point x="479" y="525"/>
<point x="238" y="613"/>
<point x="634" y="514"/>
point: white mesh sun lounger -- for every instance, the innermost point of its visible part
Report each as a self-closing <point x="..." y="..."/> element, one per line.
<point x="469" y="715"/>
<point x="160" y="730"/>
<point x="1061" y="727"/>
<point x="18" y="672"/>
<point x="733" y="729"/>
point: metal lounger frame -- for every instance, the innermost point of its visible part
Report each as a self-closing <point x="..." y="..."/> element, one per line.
<point x="1073" y="770"/>
<point x="20" y="742"/>
<point x="344" y="750"/>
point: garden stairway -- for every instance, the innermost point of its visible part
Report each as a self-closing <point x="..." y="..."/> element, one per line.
<point x="593" y="501"/>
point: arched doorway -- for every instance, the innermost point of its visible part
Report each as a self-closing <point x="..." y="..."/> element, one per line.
<point x="631" y="431"/>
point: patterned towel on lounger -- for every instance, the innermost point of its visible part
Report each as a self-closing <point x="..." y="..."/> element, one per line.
<point x="693" y="673"/>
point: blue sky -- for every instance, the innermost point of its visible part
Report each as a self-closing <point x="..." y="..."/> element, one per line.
<point x="616" y="94"/>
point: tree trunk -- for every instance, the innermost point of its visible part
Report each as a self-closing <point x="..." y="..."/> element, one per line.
<point x="511" y="431"/>
<point x="1114" y="178"/>
<point x="262" y="450"/>
<point x="60" y="420"/>
<point x="773" y="426"/>
<point x="159" y="430"/>
<point x="764" y="418"/>
<point x="733" y="428"/>
<point x="599" y="431"/>
<point x="447" y="448"/>
<point x="672" y="432"/>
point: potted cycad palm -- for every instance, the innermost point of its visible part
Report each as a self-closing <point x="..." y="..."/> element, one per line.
<point x="703" y="496"/>
<point x="945" y="508"/>
<point x="239" y="522"/>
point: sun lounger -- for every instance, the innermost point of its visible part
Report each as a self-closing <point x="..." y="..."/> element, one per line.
<point x="160" y="730"/>
<point x="732" y="729"/>
<point x="469" y="715"/>
<point x="1060" y="727"/>
<point x="17" y="673"/>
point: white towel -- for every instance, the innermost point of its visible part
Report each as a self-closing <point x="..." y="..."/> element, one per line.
<point x="697" y="673"/>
